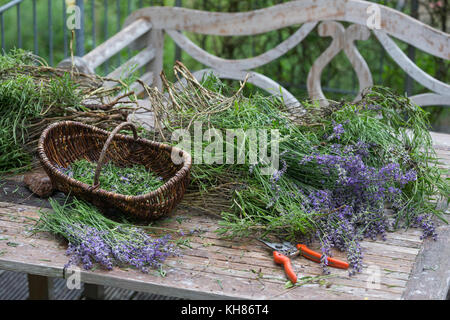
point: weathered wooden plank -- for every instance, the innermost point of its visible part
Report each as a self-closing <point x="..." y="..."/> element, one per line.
<point x="136" y="62"/>
<point x="257" y="259"/>
<point x="266" y="257"/>
<point x="143" y="115"/>
<point x="40" y="287"/>
<point x="410" y="238"/>
<point x="226" y="281"/>
<point x="240" y="64"/>
<point x="267" y="267"/>
<point x="188" y="260"/>
<point x="430" y="278"/>
<point x="94" y="292"/>
<point x="117" y="42"/>
<point x="25" y="265"/>
<point x="406" y="243"/>
<point x="261" y="258"/>
<point x="210" y="238"/>
<point x="308" y="12"/>
<point x="227" y="248"/>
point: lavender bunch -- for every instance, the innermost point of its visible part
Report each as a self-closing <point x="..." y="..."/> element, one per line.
<point x="355" y="197"/>
<point x="335" y="181"/>
<point x="94" y="239"/>
<point x="339" y="166"/>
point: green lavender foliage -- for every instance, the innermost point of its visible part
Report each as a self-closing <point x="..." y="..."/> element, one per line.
<point x="33" y="95"/>
<point x="95" y="240"/>
<point x="80" y="213"/>
<point x="134" y="180"/>
<point x="22" y="100"/>
<point x="397" y="129"/>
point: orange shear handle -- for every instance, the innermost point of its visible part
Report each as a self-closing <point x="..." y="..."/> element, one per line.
<point x="315" y="256"/>
<point x="286" y="262"/>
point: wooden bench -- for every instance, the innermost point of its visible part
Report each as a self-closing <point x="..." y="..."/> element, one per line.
<point x="213" y="268"/>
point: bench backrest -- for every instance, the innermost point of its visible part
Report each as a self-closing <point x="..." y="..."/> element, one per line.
<point x="144" y="29"/>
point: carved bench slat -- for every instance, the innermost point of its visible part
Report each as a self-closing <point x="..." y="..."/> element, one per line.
<point x="410" y="67"/>
<point x="117" y="42"/>
<point x="393" y="22"/>
<point x="240" y="64"/>
<point x="136" y="62"/>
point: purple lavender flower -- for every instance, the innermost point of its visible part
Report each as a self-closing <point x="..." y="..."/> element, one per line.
<point x="425" y="222"/>
<point x="279" y="173"/>
<point x="276" y="176"/>
<point x="351" y="206"/>
<point x="88" y="246"/>
<point x="67" y="171"/>
<point x="338" y="130"/>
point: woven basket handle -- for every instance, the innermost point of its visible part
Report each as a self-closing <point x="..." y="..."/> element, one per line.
<point x="101" y="159"/>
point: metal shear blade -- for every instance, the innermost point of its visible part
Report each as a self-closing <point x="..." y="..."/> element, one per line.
<point x="285" y="247"/>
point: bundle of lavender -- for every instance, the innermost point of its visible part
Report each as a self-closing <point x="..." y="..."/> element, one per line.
<point x="95" y="240"/>
<point x="340" y="166"/>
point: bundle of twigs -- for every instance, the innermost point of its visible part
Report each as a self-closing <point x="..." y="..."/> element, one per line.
<point x="34" y="95"/>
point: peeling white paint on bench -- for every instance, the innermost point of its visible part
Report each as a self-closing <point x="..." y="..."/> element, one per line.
<point x="145" y="28"/>
<point x="243" y="64"/>
<point x="279" y="16"/>
<point x="410" y="67"/>
<point x="117" y="42"/>
<point x="343" y="39"/>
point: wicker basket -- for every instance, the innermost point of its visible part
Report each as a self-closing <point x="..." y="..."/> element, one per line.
<point x="64" y="142"/>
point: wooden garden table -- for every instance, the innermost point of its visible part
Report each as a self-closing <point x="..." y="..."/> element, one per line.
<point x="213" y="268"/>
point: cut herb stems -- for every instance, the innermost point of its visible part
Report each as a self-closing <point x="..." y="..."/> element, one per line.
<point x="33" y="95"/>
<point x="133" y="181"/>
<point x="339" y="165"/>
<point x="93" y="239"/>
<point x="96" y="240"/>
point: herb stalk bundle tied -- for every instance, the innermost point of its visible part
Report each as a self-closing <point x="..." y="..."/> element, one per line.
<point x="96" y="240"/>
<point x="34" y="95"/>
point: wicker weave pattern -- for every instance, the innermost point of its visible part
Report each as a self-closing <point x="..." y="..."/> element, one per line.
<point x="63" y="143"/>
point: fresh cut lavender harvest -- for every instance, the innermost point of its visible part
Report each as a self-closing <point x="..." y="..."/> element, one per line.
<point x="94" y="240"/>
<point x="341" y="172"/>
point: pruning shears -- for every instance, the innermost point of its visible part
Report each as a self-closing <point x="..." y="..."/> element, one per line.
<point x="282" y="252"/>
